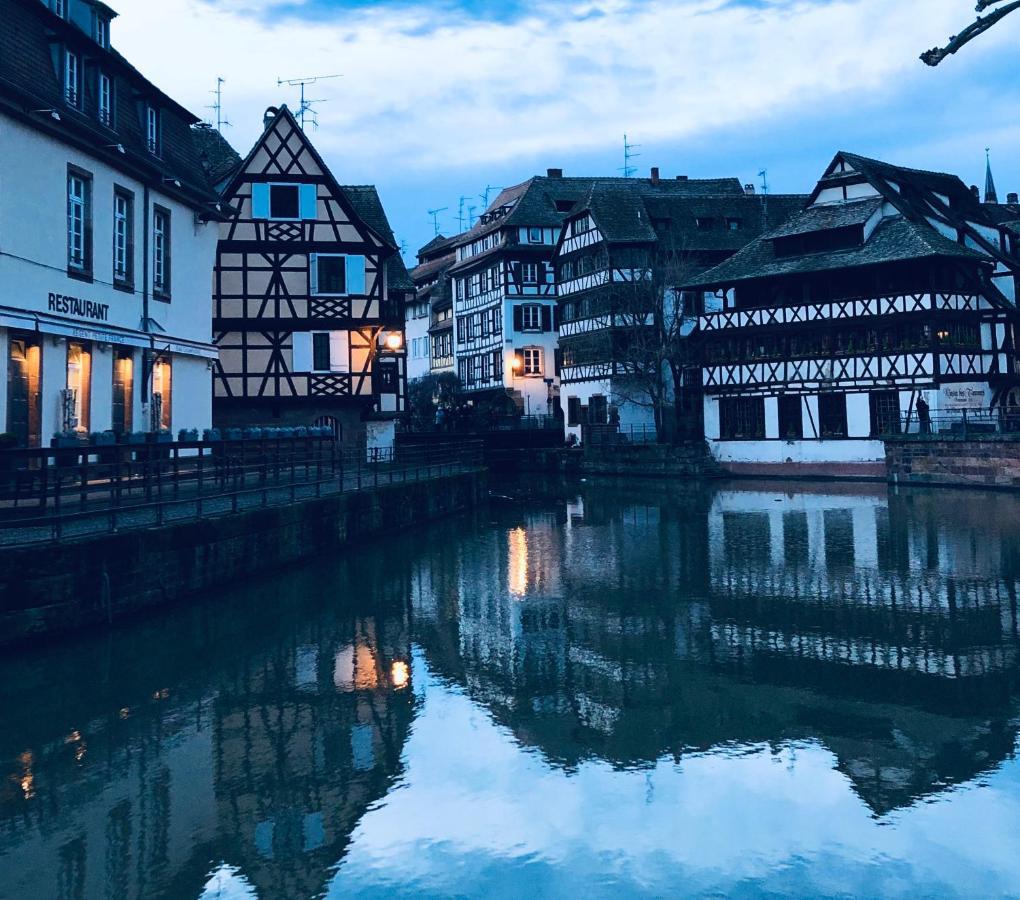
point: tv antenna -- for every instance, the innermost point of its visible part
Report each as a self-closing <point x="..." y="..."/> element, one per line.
<point x="217" y="107"/>
<point x="484" y="196"/>
<point x="764" y="176"/>
<point x="628" y="155"/>
<point x="460" y="213"/>
<point x="305" y="110"/>
<point x="471" y="215"/>
<point x="435" y="218"/>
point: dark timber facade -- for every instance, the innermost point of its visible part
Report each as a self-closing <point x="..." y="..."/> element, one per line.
<point x="307" y="296"/>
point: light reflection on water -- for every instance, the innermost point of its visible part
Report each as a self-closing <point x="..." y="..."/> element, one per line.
<point x="593" y="690"/>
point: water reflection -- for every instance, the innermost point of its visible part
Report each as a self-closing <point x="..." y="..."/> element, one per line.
<point x="591" y="689"/>
<point x="629" y="625"/>
<point x="232" y="746"/>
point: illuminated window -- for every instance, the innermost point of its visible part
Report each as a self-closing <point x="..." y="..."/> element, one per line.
<point x="532" y="360"/>
<point x="162" y="395"/>
<point x="79" y="386"/>
<point x="123" y="383"/>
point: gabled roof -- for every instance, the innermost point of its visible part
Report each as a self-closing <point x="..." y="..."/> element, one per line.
<point x="438" y="243"/>
<point x="824" y="218"/>
<point x="216" y="156"/>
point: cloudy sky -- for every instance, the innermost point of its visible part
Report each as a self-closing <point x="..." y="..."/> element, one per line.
<point x="440" y="99"/>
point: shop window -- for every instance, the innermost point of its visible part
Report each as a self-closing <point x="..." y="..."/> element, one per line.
<point x="123" y="385"/>
<point x="78" y="396"/>
<point x="162" y="395"/>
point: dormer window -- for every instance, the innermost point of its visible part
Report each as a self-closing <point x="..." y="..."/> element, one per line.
<point x="72" y="69"/>
<point x="102" y="31"/>
<point x="104" y="92"/>
<point x="733" y="224"/>
<point x="60" y="8"/>
<point x="152" y="129"/>
<point x="705" y="222"/>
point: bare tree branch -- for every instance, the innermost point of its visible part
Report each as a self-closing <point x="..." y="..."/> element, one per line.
<point x="934" y="56"/>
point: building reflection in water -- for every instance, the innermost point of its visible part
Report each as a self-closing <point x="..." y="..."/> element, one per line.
<point x="629" y="625"/>
<point x="209" y="748"/>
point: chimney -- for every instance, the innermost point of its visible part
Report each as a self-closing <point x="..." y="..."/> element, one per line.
<point x="655" y="174"/>
<point x="681" y="177"/>
<point x="269" y="115"/>
<point x="977" y="194"/>
<point x="748" y="188"/>
<point x="554" y="173"/>
<point x="1013" y="197"/>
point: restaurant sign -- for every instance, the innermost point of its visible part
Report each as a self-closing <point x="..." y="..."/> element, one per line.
<point x="76" y="306"/>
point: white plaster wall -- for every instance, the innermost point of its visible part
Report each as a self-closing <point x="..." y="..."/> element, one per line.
<point x="858" y="415"/>
<point x="54" y="380"/>
<point x="771" y="417"/>
<point x="4" y="361"/>
<point x="711" y="410"/>
<point x="841" y="451"/>
<point x="414" y="330"/>
<point x="101" y="418"/>
<point x="191" y="395"/>
<point x="380" y="436"/>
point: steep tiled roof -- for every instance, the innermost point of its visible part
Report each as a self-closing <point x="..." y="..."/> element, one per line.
<point x="365" y="200"/>
<point x="29" y="81"/>
<point x="217" y="157"/>
<point x="894" y="239"/>
<point x="436" y="245"/>
<point x="824" y="218"/>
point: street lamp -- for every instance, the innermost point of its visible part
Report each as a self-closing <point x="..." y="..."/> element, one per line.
<point x="394" y="341"/>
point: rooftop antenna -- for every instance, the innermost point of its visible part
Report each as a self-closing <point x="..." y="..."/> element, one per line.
<point x="628" y="155"/>
<point x="435" y="218"/>
<point x="484" y="196"/>
<point x="305" y="110"/>
<point x="763" y="174"/>
<point x="460" y="212"/>
<point x="471" y="215"/>
<point x="403" y="248"/>
<point x="217" y="107"/>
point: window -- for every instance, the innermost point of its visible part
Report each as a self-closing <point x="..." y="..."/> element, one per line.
<point x="573" y="410"/>
<point x="532" y="360"/>
<point x="79" y="387"/>
<point x="162" y="377"/>
<point x="72" y="94"/>
<point x="60" y="8"/>
<point x="582" y="225"/>
<point x="105" y="100"/>
<point x="79" y="222"/>
<point x="320" y="351"/>
<point x="885" y="412"/>
<point x="832" y="415"/>
<point x="161" y="252"/>
<point x="152" y="136"/>
<point x="123" y="383"/>
<point x="742" y="418"/>
<point x="284" y="201"/>
<point x="530" y="275"/>
<point x="123" y="237"/>
<point x="102" y="31"/>
<point x="534" y="235"/>
<point x="791" y="418"/>
<point x="705" y="222"/>
<point x="598" y="410"/>
<point x="330" y="274"/>
<point x="734" y="224"/>
<point x="531" y="317"/>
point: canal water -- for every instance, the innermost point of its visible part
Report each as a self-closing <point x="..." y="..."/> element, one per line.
<point x="583" y="690"/>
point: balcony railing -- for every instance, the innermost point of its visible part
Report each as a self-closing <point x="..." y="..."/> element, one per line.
<point x="964" y="424"/>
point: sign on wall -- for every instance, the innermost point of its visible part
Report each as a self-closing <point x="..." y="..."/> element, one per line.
<point x="76" y="306"/>
<point x="963" y="396"/>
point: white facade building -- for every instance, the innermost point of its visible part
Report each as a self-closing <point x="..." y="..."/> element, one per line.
<point x="107" y="238"/>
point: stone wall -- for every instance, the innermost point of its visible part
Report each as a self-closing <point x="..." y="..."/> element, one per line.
<point x="48" y="589"/>
<point x="988" y="462"/>
<point x="690" y="460"/>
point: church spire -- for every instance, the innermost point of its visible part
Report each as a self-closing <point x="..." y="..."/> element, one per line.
<point x="990" y="195"/>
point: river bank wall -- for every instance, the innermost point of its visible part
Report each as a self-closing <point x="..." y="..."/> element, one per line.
<point x="51" y="589"/>
<point x="990" y="462"/>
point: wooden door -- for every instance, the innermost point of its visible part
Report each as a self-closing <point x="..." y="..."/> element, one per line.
<point x="24" y="391"/>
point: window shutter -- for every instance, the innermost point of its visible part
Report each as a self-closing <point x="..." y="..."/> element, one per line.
<point x="339" y="359"/>
<point x="557" y="361"/>
<point x="260" y="201"/>
<point x="518" y="318"/>
<point x="546" y="319"/>
<point x="355" y="274"/>
<point x="556" y="317"/>
<point x="309" y="205"/>
<point x="313" y="273"/>
<point x="301" y="359"/>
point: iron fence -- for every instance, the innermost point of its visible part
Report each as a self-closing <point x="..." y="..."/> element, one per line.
<point x="964" y="423"/>
<point x="48" y="495"/>
<point x="612" y="435"/>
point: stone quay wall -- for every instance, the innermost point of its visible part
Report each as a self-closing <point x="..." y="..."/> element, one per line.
<point x="48" y="589"/>
<point x="686" y="460"/>
<point x="990" y="461"/>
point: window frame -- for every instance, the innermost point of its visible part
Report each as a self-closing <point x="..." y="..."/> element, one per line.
<point x="531" y="235"/>
<point x="104" y="110"/>
<point x="297" y="190"/>
<point x="153" y="130"/>
<point x="534" y="368"/>
<point x="72" y="91"/>
<point x="83" y="270"/>
<point x="163" y="290"/>
<point x="123" y="279"/>
<point x="101" y="31"/>
<point x="319" y="292"/>
<point x="318" y="338"/>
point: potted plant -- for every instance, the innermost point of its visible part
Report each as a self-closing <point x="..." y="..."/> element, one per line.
<point x="187" y="435"/>
<point x="211" y="434"/>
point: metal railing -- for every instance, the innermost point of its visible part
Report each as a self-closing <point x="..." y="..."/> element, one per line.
<point x="479" y="422"/>
<point x="49" y="495"/>
<point x="613" y="435"/>
<point x="964" y="423"/>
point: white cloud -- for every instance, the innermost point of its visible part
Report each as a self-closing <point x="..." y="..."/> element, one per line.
<point x="421" y="94"/>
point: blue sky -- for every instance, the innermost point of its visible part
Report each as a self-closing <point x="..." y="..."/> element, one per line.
<point x="440" y="99"/>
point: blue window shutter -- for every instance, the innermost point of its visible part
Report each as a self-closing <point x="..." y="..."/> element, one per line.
<point x="260" y="201"/>
<point x="355" y="274"/>
<point x="309" y="208"/>
<point x="313" y="273"/>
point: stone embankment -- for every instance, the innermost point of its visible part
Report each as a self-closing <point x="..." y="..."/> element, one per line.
<point x="991" y="461"/>
<point x="46" y="589"/>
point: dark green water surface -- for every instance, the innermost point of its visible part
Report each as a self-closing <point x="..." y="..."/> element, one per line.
<point x="582" y="691"/>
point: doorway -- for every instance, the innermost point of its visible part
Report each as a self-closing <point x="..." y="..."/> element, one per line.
<point x="24" y="390"/>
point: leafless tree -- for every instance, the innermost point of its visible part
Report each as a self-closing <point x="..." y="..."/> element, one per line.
<point x="649" y="326"/>
<point x="980" y="25"/>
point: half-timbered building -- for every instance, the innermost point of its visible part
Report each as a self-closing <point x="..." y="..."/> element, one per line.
<point x="307" y="296"/>
<point x="429" y="317"/>
<point x="109" y="225"/>
<point x="624" y="250"/>
<point x="504" y="298"/>
<point x="893" y="286"/>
